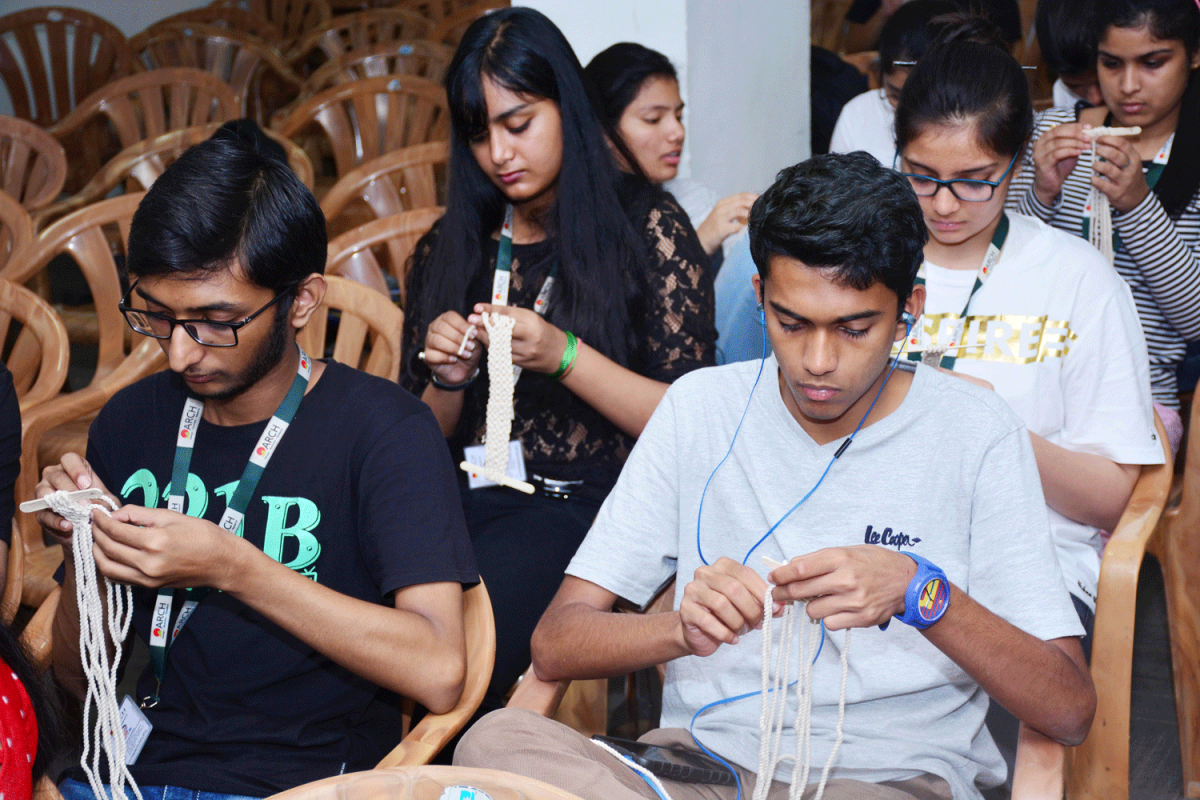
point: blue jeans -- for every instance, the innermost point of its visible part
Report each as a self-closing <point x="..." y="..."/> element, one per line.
<point x="75" y="790"/>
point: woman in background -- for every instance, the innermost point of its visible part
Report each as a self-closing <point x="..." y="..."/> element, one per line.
<point x="639" y="96"/>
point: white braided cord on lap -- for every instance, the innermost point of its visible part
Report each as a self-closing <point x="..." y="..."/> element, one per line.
<point x="93" y="651"/>
<point x="502" y="380"/>
<point x="774" y="697"/>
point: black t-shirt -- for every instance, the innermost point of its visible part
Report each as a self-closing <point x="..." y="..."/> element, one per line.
<point x="360" y="496"/>
<point x="10" y="451"/>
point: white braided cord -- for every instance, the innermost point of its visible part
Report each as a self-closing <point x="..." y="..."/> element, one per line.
<point x="774" y="697"/>
<point x="502" y="382"/>
<point x="93" y="648"/>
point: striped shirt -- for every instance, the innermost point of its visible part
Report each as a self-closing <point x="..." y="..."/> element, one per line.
<point x="1158" y="257"/>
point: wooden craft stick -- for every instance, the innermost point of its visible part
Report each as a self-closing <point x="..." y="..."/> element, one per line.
<point x="30" y="506"/>
<point x="770" y="562"/>
<point x="1105" y="131"/>
<point x="462" y="348"/>
<point x="512" y="483"/>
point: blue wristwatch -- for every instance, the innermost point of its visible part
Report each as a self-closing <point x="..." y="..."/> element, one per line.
<point x="928" y="594"/>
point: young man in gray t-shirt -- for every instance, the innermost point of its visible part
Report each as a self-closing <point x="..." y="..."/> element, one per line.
<point x="883" y="492"/>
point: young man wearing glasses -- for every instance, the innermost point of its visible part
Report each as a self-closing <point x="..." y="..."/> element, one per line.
<point x="316" y="570"/>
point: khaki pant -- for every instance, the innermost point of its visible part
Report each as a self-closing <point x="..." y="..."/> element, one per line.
<point x="520" y="741"/>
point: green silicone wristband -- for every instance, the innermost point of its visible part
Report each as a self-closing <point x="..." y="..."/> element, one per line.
<point x="568" y="357"/>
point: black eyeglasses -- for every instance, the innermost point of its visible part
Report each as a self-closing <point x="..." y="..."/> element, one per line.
<point x="207" y="332"/>
<point x="966" y="189"/>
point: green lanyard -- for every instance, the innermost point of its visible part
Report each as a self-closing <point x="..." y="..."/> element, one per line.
<point x="231" y="520"/>
<point x="985" y="271"/>
<point x="502" y="277"/>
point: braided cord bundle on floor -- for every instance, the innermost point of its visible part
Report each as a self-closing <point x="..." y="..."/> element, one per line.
<point x="774" y="698"/>
<point x="107" y="733"/>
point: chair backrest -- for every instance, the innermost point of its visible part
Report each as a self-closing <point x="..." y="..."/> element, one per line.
<point x="383" y="246"/>
<point x="402" y="180"/>
<point x="231" y="17"/>
<point x="412" y="57"/>
<point x="16" y="228"/>
<point x="33" y="165"/>
<point x="150" y="104"/>
<point x="359" y="31"/>
<point x="368" y="329"/>
<point x="94" y="237"/>
<point x="365" y="119"/>
<point x="428" y="736"/>
<point x="53" y="57"/>
<point x="40" y="352"/>
<point x="142" y="163"/>
<point x="450" y="30"/>
<point x="238" y="59"/>
<point x="292" y="18"/>
<point x="827" y="26"/>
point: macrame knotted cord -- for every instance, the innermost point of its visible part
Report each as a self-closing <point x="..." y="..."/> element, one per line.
<point x="101" y="673"/>
<point x="1100" y="231"/>
<point x="500" y="394"/>
<point x="774" y="697"/>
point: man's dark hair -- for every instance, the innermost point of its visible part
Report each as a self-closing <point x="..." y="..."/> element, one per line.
<point x="845" y="212"/>
<point x="231" y="198"/>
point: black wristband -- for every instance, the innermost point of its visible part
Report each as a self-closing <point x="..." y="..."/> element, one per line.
<point x="453" y="387"/>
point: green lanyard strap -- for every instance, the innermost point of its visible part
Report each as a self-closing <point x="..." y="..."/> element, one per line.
<point x="985" y="272"/>
<point x="231" y="520"/>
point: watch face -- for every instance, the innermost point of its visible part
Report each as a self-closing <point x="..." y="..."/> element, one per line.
<point x="932" y="600"/>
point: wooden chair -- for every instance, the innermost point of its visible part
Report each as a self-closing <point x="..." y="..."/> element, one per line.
<point x="364" y="119"/>
<point x="402" y="180"/>
<point x="356" y="254"/>
<point x="33" y="165"/>
<point x="426" y="783"/>
<point x="402" y="57"/>
<point x="94" y="237"/>
<point x="50" y="59"/>
<point x="368" y="329"/>
<point x="16" y="228"/>
<point x="436" y="10"/>
<point x="827" y="25"/>
<point x="1099" y="768"/>
<point x="420" y="744"/>
<point x="452" y="27"/>
<point x="152" y="103"/>
<point x="231" y="17"/>
<point x="140" y="165"/>
<point x="358" y="31"/>
<point x="256" y="71"/>
<point x="292" y="18"/>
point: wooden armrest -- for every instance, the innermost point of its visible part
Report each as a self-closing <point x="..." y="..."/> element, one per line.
<point x="37" y="636"/>
<point x="1039" y="773"/>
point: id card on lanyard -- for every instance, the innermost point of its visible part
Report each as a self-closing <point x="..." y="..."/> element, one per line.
<point x="985" y="272"/>
<point x="231" y="520"/>
<point x="501" y="280"/>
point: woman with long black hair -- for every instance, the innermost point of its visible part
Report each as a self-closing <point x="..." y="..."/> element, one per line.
<point x="1148" y="65"/>
<point x="626" y="306"/>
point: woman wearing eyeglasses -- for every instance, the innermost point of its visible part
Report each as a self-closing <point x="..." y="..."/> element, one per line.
<point x="1015" y="305"/>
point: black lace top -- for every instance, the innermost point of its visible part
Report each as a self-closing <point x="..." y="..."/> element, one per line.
<point x="563" y="437"/>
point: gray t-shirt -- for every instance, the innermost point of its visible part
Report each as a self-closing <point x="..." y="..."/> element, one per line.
<point x="950" y="475"/>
